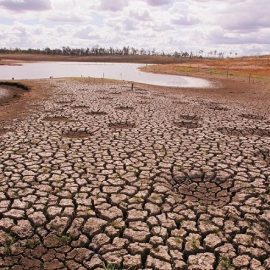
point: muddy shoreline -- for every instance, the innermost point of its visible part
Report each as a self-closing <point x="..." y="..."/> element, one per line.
<point x="11" y="91"/>
<point x="255" y="96"/>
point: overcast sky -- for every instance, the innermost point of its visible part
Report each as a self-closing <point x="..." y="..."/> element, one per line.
<point x="241" y="26"/>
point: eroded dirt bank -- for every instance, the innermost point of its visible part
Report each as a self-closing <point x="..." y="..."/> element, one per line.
<point x="10" y="91"/>
<point x="95" y="176"/>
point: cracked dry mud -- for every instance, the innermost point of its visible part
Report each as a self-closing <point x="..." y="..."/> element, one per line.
<point x="161" y="183"/>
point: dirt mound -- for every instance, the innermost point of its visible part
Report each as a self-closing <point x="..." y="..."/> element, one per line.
<point x="189" y="124"/>
<point x="76" y="134"/>
<point x="121" y="125"/>
<point x="244" y="132"/>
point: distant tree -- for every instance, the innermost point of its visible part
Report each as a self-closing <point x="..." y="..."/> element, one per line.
<point x="100" y="51"/>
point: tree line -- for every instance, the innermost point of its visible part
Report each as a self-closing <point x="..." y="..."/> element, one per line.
<point x="100" y="51"/>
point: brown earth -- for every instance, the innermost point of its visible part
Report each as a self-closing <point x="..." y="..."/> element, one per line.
<point x="241" y="80"/>
<point x="180" y="181"/>
<point x="19" y="102"/>
<point x="254" y="95"/>
<point x="248" y="69"/>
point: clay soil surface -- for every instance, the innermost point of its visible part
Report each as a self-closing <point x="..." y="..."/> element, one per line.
<point x="96" y="176"/>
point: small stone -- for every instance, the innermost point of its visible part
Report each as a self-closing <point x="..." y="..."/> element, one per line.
<point x="53" y="265"/>
<point x="212" y="241"/>
<point x="38" y="218"/>
<point x="93" y="226"/>
<point x="161" y="252"/>
<point x="52" y="241"/>
<point x="203" y="261"/>
<point x="131" y="262"/>
<point x="157" y="264"/>
<point x="23" y="229"/>
<point x="241" y="261"/>
<point x="136" y="236"/>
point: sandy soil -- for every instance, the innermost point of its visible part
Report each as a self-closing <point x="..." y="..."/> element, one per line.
<point x="96" y="176"/>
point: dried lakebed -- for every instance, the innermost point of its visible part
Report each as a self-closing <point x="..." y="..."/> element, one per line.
<point x="101" y="177"/>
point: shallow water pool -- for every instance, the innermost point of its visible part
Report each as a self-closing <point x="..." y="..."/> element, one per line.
<point x="118" y="71"/>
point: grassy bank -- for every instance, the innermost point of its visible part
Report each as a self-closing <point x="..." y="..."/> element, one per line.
<point x="249" y="69"/>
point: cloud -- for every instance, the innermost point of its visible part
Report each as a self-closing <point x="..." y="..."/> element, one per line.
<point x="158" y="2"/>
<point x="26" y="5"/>
<point x="140" y="15"/>
<point x="246" y="15"/>
<point x="223" y="37"/>
<point x="87" y="33"/>
<point x="186" y="20"/>
<point x="63" y="17"/>
<point x="115" y="5"/>
<point x="242" y="26"/>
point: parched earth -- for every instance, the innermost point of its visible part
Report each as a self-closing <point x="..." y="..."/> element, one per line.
<point x="102" y="177"/>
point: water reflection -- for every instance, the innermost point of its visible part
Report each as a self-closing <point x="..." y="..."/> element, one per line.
<point x="118" y="71"/>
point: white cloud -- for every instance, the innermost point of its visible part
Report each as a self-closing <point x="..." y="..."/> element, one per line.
<point x="242" y="26"/>
<point x="114" y="5"/>
<point x="159" y="2"/>
<point x="26" y="5"/>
